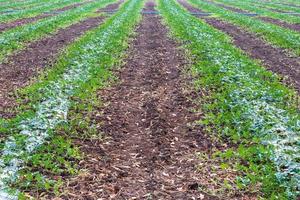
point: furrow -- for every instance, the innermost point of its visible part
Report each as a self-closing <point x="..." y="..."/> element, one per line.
<point x="278" y="22"/>
<point x="146" y="118"/>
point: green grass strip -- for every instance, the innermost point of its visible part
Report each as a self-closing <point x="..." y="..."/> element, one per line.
<point x="16" y="38"/>
<point x="84" y="68"/>
<point x="244" y="5"/>
<point x="32" y="12"/>
<point x="246" y="103"/>
<point x="274" y="34"/>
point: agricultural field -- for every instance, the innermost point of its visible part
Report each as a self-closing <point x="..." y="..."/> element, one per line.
<point x="150" y="99"/>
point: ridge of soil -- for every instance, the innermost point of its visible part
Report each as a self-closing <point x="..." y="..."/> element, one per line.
<point x="111" y="7"/>
<point x="274" y="59"/>
<point x="282" y="11"/>
<point x="231" y="8"/>
<point x="22" y="66"/>
<point x="149" y="152"/>
<point x="23" y="21"/>
<point x="278" y="22"/>
<point x="20" y="22"/>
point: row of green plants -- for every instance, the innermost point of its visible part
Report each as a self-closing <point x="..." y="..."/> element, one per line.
<point x="245" y="5"/>
<point x="21" y="4"/>
<point x="45" y="172"/>
<point x="16" y="38"/>
<point x="40" y="133"/>
<point x="274" y="34"/>
<point x="287" y="2"/>
<point x="246" y="106"/>
<point x="32" y="12"/>
<point x="282" y="7"/>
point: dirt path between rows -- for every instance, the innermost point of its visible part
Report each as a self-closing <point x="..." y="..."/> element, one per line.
<point x="20" y="22"/>
<point x="26" y="64"/>
<point x="23" y="21"/>
<point x="149" y="152"/>
<point x="111" y="7"/>
<point x="281" y="11"/>
<point x="295" y="27"/>
<point x="275" y="59"/>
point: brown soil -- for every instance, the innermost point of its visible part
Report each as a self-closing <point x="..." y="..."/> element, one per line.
<point x="149" y="152"/>
<point x="111" y="7"/>
<point x="190" y="8"/>
<point x="275" y="59"/>
<point x="24" y="65"/>
<point x="238" y="10"/>
<point x="20" y="22"/>
<point x="23" y="21"/>
<point x="278" y="22"/>
<point x="71" y="6"/>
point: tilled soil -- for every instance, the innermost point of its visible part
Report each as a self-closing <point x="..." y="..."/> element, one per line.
<point x="149" y="150"/>
<point x="278" y="22"/>
<point x="238" y="10"/>
<point x="111" y="7"/>
<point x="282" y="11"/>
<point x="20" y="22"/>
<point x="275" y="59"/>
<point x="24" y="65"/>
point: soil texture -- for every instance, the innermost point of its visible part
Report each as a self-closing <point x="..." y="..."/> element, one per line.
<point x="111" y="7"/>
<point x="295" y="27"/>
<point x="20" y="22"/>
<point x="149" y="152"/>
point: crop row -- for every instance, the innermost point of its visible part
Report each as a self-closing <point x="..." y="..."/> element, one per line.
<point x="274" y="5"/>
<point x="25" y="13"/>
<point x="274" y="34"/>
<point x="287" y="2"/>
<point x="241" y="105"/>
<point x="262" y="11"/>
<point x="84" y="67"/>
<point x="21" y="4"/>
<point x="15" y="39"/>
